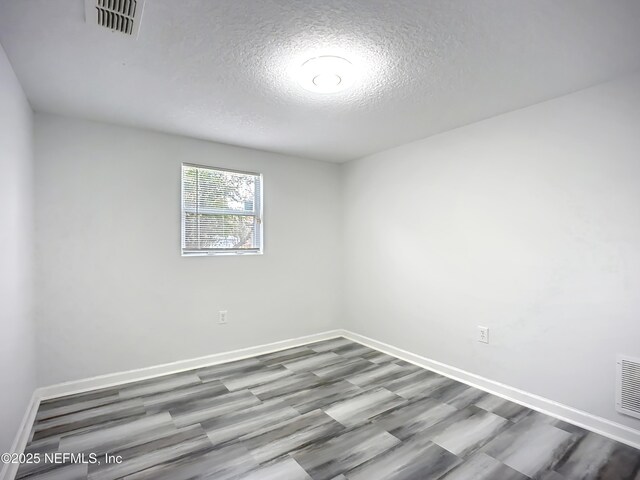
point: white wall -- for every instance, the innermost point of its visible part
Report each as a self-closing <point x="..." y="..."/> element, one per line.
<point x="16" y="250"/>
<point x="528" y="223"/>
<point x="113" y="291"/>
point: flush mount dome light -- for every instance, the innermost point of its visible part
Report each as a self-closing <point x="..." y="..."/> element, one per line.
<point x="326" y="74"/>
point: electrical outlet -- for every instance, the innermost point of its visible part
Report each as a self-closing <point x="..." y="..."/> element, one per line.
<point x="483" y="334"/>
<point x="222" y="316"/>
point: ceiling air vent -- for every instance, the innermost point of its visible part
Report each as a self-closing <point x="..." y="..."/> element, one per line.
<point x="117" y="15"/>
<point x="628" y="386"/>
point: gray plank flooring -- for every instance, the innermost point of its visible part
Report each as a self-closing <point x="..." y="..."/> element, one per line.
<point x="328" y="410"/>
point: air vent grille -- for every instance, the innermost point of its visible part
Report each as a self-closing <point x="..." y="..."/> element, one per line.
<point x="121" y="16"/>
<point x="628" y="386"/>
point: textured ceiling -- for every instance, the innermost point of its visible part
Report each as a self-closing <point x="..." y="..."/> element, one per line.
<point x="222" y="70"/>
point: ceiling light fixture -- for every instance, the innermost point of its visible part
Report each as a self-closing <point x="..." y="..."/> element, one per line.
<point x="326" y="74"/>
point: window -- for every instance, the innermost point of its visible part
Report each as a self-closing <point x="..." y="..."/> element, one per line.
<point x="221" y="211"/>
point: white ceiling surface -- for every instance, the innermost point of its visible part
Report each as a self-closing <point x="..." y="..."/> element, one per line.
<point x="222" y="70"/>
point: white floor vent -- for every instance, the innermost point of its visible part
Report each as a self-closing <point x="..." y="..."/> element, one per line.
<point x="628" y="386"/>
<point x="121" y="16"/>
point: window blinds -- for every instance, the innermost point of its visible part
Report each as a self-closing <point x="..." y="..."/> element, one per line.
<point x="220" y="211"/>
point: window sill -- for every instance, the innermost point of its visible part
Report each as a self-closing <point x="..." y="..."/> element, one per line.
<point x="221" y="254"/>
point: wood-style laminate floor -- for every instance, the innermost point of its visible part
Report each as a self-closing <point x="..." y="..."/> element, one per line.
<point x="329" y="410"/>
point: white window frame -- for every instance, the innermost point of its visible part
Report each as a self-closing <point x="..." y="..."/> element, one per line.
<point x="258" y="217"/>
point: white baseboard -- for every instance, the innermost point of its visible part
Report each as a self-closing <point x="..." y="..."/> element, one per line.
<point x="9" y="470"/>
<point x="613" y="430"/>
<point x="602" y="426"/>
<point x="113" y="379"/>
<point x="103" y="381"/>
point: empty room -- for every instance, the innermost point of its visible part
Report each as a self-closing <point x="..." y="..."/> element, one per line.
<point x="320" y="240"/>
